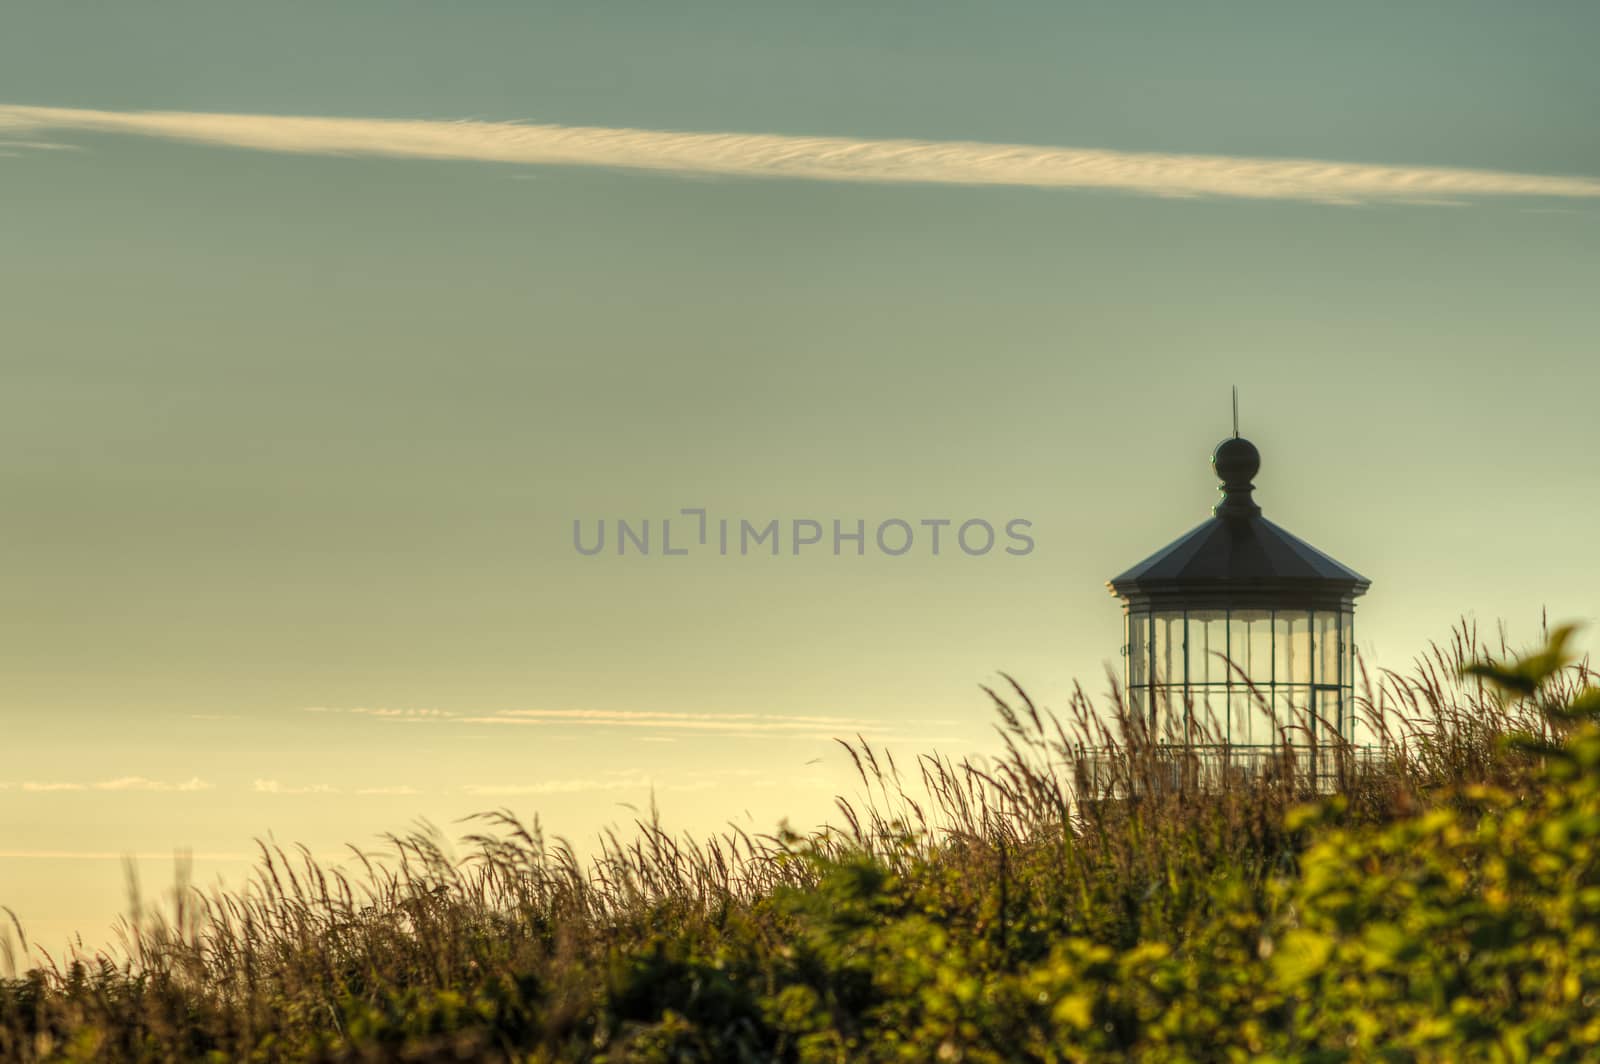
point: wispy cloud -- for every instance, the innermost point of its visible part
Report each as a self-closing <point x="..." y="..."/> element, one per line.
<point x="400" y="790"/>
<point x="716" y="723"/>
<point x="616" y="782"/>
<point x="121" y="783"/>
<point x="387" y="714"/>
<point x="813" y="158"/>
<point x="111" y="855"/>
<point x="9" y="146"/>
<point x="274" y="787"/>
<point x="657" y="721"/>
<point x="139" y="783"/>
<point x="569" y="786"/>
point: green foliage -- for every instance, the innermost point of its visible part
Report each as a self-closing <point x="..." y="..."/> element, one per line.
<point x="1444" y="905"/>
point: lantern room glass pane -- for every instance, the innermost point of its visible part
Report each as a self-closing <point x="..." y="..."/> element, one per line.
<point x="1240" y="708"/>
<point x="1138" y="649"/>
<point x="1292" y="646"/>
<point x="1347" y="643"/>
<point x="1331" y="721"/>
<point x="1293" y="707"/>
<point x="1208" y="647"/>
<point x="1263" y="727"/>
<point x="1250" y="647"/>
<point x="1168" y="640"/>
<point x="1166" y="703"/>
<point x="1326" y="623"/>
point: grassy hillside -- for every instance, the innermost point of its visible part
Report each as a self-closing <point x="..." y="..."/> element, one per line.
<point x="1444" y="905"/>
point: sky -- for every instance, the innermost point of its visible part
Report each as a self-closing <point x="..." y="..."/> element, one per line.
<point x="323" y="324"/>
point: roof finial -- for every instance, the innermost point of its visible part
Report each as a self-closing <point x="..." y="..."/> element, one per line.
<point x="1236" y="462"/>
<point x="1235" y="411"/>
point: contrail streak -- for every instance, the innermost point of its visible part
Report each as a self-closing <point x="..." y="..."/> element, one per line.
<point x="840" y="159"/>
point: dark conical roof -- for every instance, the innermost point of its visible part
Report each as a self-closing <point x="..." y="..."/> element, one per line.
<point x="1238" y="558"/>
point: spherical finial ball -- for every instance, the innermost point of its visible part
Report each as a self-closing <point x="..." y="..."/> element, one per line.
<point x="1236" y="461"/>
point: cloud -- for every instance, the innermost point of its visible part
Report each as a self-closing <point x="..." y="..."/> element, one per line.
<point x="17" y="147"/>
<point x="139" y="783"/>
<point x="121" y="783"/>
<point x="733" y="724"/>
<point x="108" y="855"/>
<point x="573" y="786"/>
<point x="632" y="782"/>
<point x="402" y="789"/>
<point x="36" y="146"/>
<point x="332" y="857"/>
<point x="274" y="787"/>
<point x="387" y="714"/>
<point x="968" y="163"/>
<point x="644" y="716"/>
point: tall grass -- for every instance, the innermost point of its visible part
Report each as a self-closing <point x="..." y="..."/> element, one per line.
<point x="783" y="945"/>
